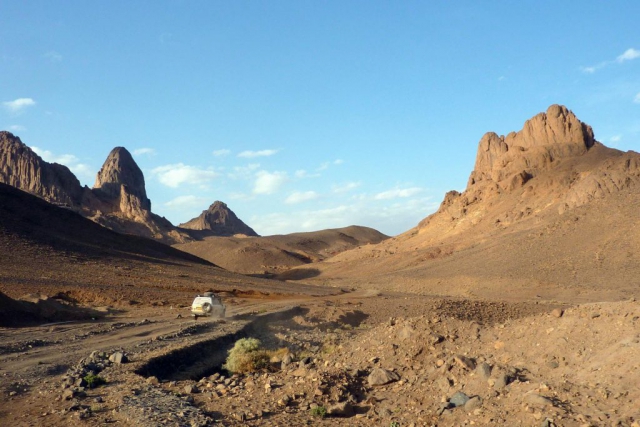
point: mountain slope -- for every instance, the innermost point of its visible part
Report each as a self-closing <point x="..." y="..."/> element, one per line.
<point x="547" y="210"/>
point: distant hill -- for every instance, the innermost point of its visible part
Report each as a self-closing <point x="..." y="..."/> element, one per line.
<point x="548" y="210"/>
<point x="275" y="254"/>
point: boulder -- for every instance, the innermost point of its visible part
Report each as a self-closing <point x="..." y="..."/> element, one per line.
<point x="379" y="376"/>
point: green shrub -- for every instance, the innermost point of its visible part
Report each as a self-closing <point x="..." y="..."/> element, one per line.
<point x="246" y="356"/>
<point x="319" y="411"/>
<point x="94" y="381"/>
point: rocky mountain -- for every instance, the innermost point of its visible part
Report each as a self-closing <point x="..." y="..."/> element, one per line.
<point x="553" y="163"/>
<point x="20" y="167"/>
<point x="118" y="200"/>
<point x="219" y="220"/>
<point x="547" y="210"/>
<point x="120" y="178"/>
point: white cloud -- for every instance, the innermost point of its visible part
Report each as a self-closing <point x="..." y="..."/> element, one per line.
<point x="221" y="153"/>
<point x="244" y="172"/>
<point x="346" y="187"/>
<point x="323" y="166"/>
<point x="177" y="174"/>
<point x="81" y="170"/>
<point x="18" y="105"/>
<point x="628" y="55"/>
<point x="637" y="98"/>
<point x="17" y="128"/>
<point x="53" y="56"/>
<point x="143" y="151"/>
<point x="397" y="193"/>
<point x="189" y="201"/>
<point x="269" y="182"/>
<point x="262" y="153"/>
<point x="593" y="68"/>
<point x="615" y="138"/>
<point x="299" y="197"/>
<point x="301" y="174"/>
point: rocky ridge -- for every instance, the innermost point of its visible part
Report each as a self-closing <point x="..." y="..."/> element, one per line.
<point x="553" y="163"/>
<point x="118" y="200"/>
<point x="20" y="167"/>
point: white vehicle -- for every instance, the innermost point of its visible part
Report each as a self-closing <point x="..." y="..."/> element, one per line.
<point x="208" y="305"/>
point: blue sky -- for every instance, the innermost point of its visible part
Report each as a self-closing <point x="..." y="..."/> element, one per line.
<point x="308" y="115"/>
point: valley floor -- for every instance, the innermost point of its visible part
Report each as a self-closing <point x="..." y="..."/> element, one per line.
<point x="449" y="362"/>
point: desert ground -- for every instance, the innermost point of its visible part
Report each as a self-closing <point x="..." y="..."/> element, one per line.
<point x="515" y="304"/>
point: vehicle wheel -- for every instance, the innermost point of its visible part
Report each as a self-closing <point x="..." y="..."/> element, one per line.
<point x="206" y="307"/>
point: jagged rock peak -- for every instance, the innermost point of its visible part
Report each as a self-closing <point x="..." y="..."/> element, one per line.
<point x="22" y="168"/>
<point x="220" y="220"/>
<point x="121" y="171"/>
<point x="544" y="138"/>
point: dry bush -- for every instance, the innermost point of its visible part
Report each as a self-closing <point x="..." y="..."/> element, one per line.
<point x="246" y="356"/>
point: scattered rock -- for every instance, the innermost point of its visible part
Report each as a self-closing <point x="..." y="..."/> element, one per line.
<point x="118" y="357"/>
<point x="535" y="399"/>
<point x="68" y="394"/>
<point x="379" y="376"/>
<point x="473" y="403"/>
<point x="557" y="312"/>
<point x="458" y="399"/>
<point x="464" y="362"/>
<point x="500" y="382"/>
<point x="300" y="372"/>
<point x="483" y="370"/>
<point x="287" y="359"/>
<point x="191" y="388"/>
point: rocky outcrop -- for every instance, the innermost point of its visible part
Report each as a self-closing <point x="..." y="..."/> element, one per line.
<point x="219" y="220"/>
<point x="118" y="200"/>
<point x="512" y="160"/>
<point x="22" y="168"/>
<point x="121" y="179"/>
<point x="553" y="162"/>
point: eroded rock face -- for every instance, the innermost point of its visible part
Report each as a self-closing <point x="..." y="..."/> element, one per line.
<point x="553" y="162"/>
<point x="512" y="160"/>
<point x="118" y="201"/>
<point x="22" y="168"/>
<point x="220" y="220"/>
<point x="121" y="179"/>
